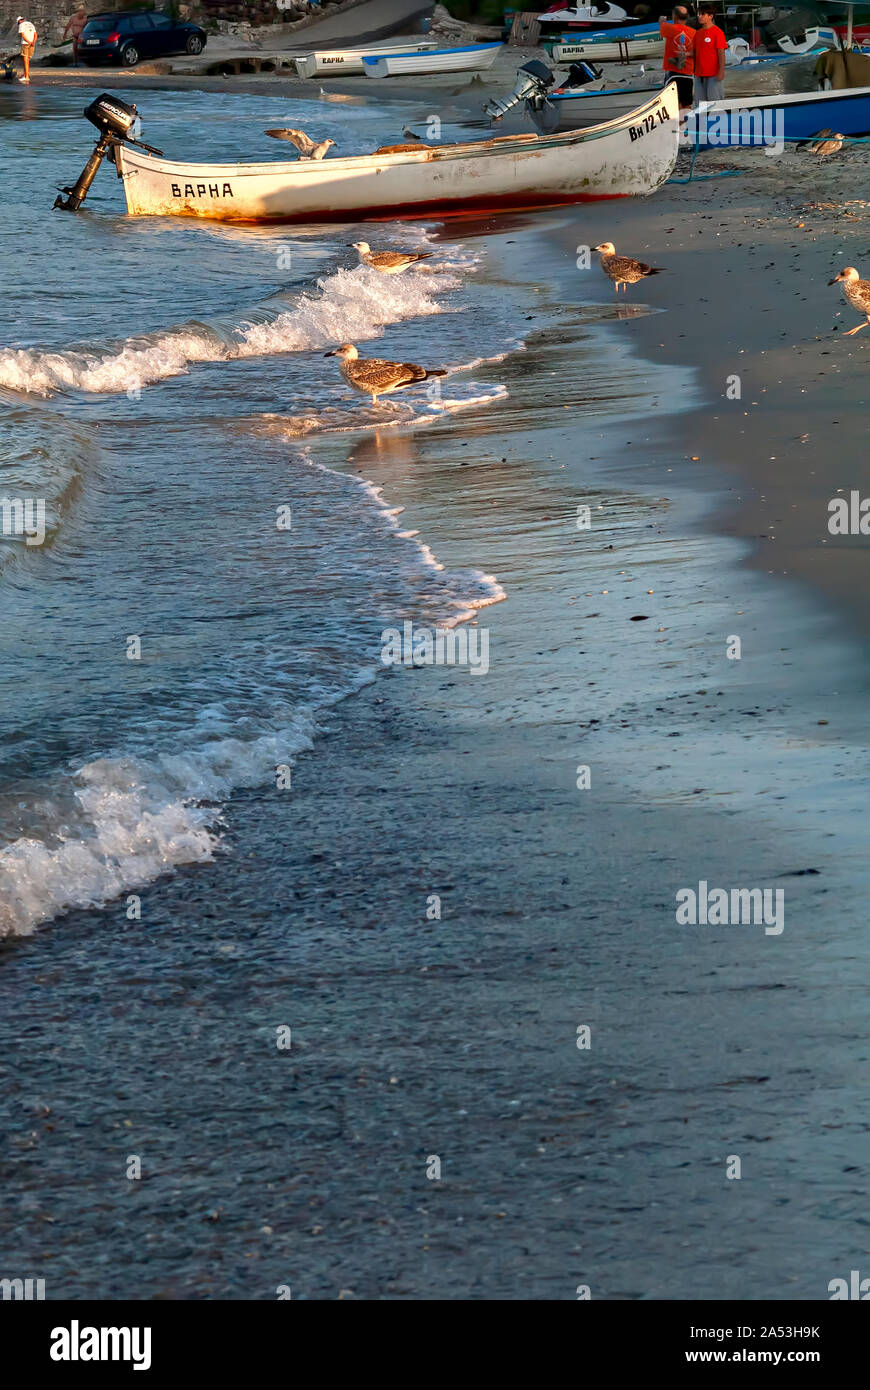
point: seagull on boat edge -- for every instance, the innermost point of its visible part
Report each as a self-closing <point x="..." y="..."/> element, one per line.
<point x="374" y="377"/>
<point x="622" y="270"/>
<point x="857" y="292"/>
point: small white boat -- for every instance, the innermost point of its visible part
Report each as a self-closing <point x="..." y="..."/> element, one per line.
<point x="474" y="57"/>
<point x="633" y="48"/>
<point x="595" y="102"/>
<point x="814" y="40"/>
<point x="327" y="61"/>
<point x="618" y="159"/>
<point x="584" y="17"/>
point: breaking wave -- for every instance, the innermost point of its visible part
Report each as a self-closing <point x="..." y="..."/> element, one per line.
<point x="350" y="306"/>
<point x="121" y="821"/>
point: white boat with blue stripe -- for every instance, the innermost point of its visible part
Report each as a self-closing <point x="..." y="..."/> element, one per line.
<point x="474" y="57"/>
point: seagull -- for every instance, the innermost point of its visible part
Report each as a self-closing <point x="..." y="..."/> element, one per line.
<point x="308" y="149"/>
<point x="374" y="377"/>
<point x="389" y="262"/>
<point x="412" y="134"/>
<point x="622" y="269"/>
<point x="823" y="147"/>
<point x="813" y="140"/>
<point x="857" y="291"/>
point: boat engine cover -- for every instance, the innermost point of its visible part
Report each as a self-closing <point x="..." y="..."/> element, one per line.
<point x="112" y="116"/>
<point x="581" y="73"/>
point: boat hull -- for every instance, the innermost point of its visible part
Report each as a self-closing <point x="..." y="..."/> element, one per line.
<point x="333" y="61"/>
<point x="576" y="110"/>
<point x="757" y="121"/>
<point x="629" y="157"/>
<point x="472" y="58"/>
<point x="611" y="50"/>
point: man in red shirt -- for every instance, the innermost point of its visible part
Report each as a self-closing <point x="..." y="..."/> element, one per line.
<point x="710" y="46"/>
<point x="679" y="62"/>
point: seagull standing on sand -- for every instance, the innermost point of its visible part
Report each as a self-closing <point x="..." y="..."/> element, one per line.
<point x="824" y="147"/>
<point x="622" y="270"/>
<point x="857" y="291"/>
<point x="308" y="149"/>
<point x="374" y="377"/>
<point x="389" y="262"/>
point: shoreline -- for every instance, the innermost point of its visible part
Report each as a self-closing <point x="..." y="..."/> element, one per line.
<point x="557" y="903"/>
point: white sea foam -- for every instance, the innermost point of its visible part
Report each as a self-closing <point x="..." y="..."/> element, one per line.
<point x="137" y="818"/>
<point x="349" y="306"/>
<point x="131" y="820"/>
<point x="390" y="413"/>
<point x="476" y="588"/>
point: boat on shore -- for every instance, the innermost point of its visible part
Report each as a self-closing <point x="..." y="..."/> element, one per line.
<point x="771" y="120"/>
<point x="631" y="156"/>
<point x="328" y="61"/>
<point x="625" y="46"/>
<point x="474" y="57"/>
<point x="594" y="103"/>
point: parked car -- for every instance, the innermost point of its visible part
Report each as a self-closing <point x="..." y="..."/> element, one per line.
<point x="125" y="38"/>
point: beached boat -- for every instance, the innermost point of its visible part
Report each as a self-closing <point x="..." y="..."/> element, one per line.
<point x="472" y="58"/>
<point x="593" y="103"/>
<point x="630" y="46"/>
<point x="773" y="120"/>
<point x="813" y="40"/>
<point x="618" y="159"/>
<point x="328" y="61"/>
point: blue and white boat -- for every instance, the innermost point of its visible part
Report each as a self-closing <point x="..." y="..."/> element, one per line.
<point x="472" y="58"/>
<point x="775" y="120"/>
<point x="610" y="46"/>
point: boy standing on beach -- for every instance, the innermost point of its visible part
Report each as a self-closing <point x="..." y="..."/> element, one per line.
<point x="710" y="46"/>
<point x="28" y="36"/>
<point x="679" y="59"/>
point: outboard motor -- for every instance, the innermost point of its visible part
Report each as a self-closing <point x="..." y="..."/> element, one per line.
<point x="581" y="73"/>
<point x="117" y="121"/>
<point x="534" y="80"/>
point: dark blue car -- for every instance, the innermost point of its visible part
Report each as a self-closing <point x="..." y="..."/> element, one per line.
<point x="125" y="38"/>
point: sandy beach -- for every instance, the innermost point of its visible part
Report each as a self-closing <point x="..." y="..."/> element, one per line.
<point x="456" y="1036"/>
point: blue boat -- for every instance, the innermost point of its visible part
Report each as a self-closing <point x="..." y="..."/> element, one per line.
<point x="774" y="121"/>
<point x="611" y="35"/>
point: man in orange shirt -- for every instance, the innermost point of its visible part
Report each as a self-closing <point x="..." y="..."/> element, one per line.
<point x="710" y="46"/>
<point x="679" y="61"/>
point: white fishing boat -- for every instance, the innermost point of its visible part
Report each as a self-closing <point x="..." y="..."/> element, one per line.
<point x="633" y="48"/>
<point x="474" y="57"/>
<point x="630" y="156"/>
<point x="328" y="61"/>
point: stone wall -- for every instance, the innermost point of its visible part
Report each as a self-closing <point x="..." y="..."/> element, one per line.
<point x="49" y="16"/>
